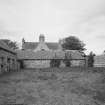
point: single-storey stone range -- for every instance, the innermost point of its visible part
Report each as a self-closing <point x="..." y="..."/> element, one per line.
<point x="39" y="54"/>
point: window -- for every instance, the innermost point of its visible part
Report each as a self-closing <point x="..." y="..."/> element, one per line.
<point x="8" y="60"/>
<point x="2" y="61"/>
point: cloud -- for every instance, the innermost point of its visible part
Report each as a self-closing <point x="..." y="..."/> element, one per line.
<point x="93" y="33"/>
<point x="55" y="18"/>
<point x="102" y="36"/>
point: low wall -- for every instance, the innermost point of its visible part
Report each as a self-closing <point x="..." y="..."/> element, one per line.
<point x="46" y="63"/>
<point x="36" y="63"/>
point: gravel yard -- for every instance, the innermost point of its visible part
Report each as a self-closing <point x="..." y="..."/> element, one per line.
<point x="33" y="87"/>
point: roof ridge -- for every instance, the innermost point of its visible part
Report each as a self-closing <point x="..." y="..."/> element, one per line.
<point x="31" y="42"/>
<point x="51" y="42"/>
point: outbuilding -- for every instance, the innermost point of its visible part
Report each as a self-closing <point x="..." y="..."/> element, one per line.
<point x="8" y="58"/>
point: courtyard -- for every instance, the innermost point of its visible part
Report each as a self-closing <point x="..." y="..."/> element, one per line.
<point x="56" y="86"/>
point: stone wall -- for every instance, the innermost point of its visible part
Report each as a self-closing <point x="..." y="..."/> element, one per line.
<point x="77" y="63"/>
<point x="46" y="63"/>
<point x="36" y="63"/>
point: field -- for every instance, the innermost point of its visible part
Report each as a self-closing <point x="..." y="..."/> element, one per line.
<point x="62" y="86"/>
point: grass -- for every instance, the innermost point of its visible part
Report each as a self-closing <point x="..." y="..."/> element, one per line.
<point x="54" y="86"/>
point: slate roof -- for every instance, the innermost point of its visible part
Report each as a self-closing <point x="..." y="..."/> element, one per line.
<point x="52" y="45"/>
<point x="75" y="54"/>
<point x="4" y="46"/>
<point x="22" y="54"/>
<point x="30" y="45"/>
<point x="29" y="54"/>
<point x="33" y="45"/>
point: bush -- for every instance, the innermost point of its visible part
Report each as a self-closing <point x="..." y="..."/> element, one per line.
<point x="67" y="62"/>
<point x="91" y="59"/>
<point x="55" y="63"/>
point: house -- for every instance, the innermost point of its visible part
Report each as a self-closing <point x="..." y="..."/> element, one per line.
<point x="8" y="58"/>
<point x="41" y="45"/>
<point x="39" y="54"/>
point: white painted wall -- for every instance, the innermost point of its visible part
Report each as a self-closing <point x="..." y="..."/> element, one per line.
<point x="99" y="61"/>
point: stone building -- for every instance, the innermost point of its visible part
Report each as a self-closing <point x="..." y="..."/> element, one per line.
<point x="8" y="58"/>
<point x="39" y="54"/>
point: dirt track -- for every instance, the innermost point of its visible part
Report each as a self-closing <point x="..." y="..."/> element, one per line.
<point x="48" y="88"/>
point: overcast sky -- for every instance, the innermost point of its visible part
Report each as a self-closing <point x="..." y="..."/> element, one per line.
<point x="56" y="19"/>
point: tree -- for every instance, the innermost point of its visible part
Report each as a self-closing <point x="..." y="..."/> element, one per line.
<point x="73" y="43"/>
<point x="11" y="44"/>
<point x="91" y="59"/>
